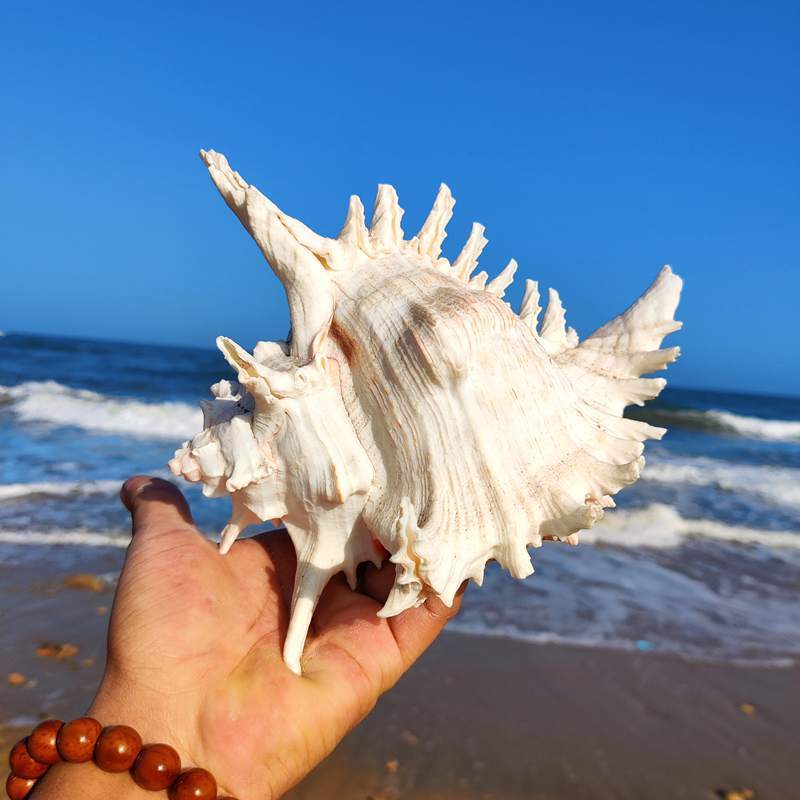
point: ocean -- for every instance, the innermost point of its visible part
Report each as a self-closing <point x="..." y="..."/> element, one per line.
<point x="701" y="557"/>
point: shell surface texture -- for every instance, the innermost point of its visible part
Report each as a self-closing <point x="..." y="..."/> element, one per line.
<point x="412" y="407"/>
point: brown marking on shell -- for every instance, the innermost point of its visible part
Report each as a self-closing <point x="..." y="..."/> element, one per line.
<point x="347" y="344"/>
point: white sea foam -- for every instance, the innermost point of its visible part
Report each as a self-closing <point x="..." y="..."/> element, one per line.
<point x="73" y="538"/>
<point x="757" y="427"/>
<point x="661" y="526"/>
<point x="777" y="485"/>
<point x="54" y="404"/>
<point x="775" y="430"/>
<point x="23" y="491"/>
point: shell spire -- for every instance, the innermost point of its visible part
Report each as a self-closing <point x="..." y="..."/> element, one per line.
<point x="292" y="250"/>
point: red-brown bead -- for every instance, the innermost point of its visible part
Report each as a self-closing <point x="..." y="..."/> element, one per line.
<point x="76" y="740"/>
<point x="22" y="764"/>
<point x="19" y="788"/>
<point x="42" y="741"/>
<point x="156" y="767"/>
<point x="194" y="784"/>
<point x="117" y="748"/>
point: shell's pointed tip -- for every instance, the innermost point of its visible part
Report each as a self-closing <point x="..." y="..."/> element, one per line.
<point x="294" y="667"/>
<point x="224" y="546"/>
<point x="666" y="272"/>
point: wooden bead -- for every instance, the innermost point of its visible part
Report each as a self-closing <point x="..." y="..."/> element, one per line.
<point x="76" y="740"/>
<point x="194" y="784"/>
<point x="19" y="788"/>
<point x="22" y="764"/>
<point x="156" y="767"/>
<point x="42" y="741"/>
<point x="117" y="748"/>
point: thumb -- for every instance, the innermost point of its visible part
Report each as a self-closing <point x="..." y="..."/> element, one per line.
<point x="157" y="507"/>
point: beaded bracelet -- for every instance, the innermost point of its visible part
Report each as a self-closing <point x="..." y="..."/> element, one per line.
<point x="117" y="748"/>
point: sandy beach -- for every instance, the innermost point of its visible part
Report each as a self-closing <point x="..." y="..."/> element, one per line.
<point x="476" y="718"/>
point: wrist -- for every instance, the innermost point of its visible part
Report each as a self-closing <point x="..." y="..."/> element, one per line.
<point x="157" y="717"/>
<point x="88" y="782"/>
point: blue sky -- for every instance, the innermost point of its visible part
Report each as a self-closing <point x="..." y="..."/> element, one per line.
<point x="595" y="141"/>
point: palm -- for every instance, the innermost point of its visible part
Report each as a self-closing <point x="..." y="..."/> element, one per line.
<point x="202" y="634"/>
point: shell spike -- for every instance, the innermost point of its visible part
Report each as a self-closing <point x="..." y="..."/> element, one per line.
<point x="645" y="324"/>
<point x="229" y="534"/>
<point x="433" y="233"/>
<point x="478" y="281"/>
<point x="499" y="284"/>
<point x="354" y="230"/>
<point x="385" y="232"/>
<point x="310" y="580"/>
<point x="467" y="259"/>
<point x="240" y="519"/>
<point x="554" y="330"/>
<point x="235" y="190"/>
<point x="290" y="248"/>
<point x="529" y="308"/>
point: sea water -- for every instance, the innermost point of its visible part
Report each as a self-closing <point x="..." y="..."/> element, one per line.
<point x="701" y="557"/>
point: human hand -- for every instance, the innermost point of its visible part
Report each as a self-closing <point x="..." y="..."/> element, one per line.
<point x="194" y="650"/>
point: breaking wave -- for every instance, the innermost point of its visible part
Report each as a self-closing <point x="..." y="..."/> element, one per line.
<point x="725" y="422"/>
<point x="74" y="538"/>
<point x="61" y="489"/>
<point x="661" y="526"/>
<point x="52" y="403"/>
<point x="776" y="485"/>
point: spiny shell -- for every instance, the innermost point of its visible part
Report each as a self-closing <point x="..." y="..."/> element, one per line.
<point x="413" y="406"/>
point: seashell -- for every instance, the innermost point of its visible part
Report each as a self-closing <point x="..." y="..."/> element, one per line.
<point x="412" y="406"/>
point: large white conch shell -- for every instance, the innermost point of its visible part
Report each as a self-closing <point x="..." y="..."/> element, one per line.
<point x="412" y="406"/>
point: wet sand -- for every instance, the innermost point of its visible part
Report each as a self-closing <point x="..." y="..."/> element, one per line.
<point x="475" y="719"/>
<point x="480" y="718"/>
